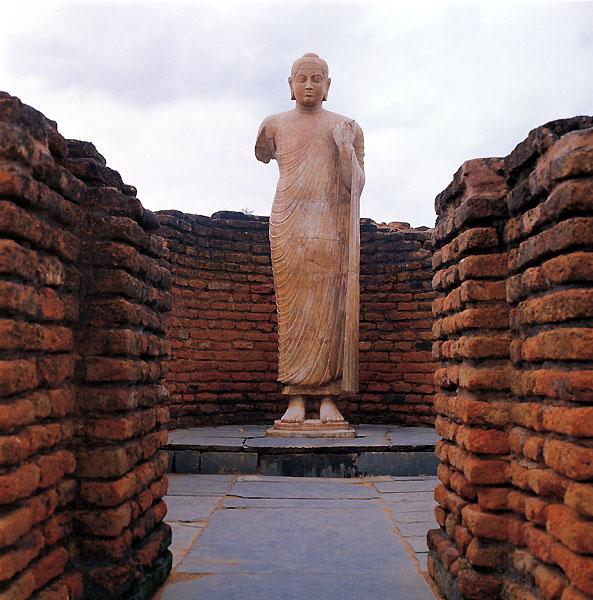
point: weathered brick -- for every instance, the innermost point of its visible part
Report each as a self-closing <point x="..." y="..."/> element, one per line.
<point x="577" y="422"/>
<point x="485" y="524"/>
<point x="549" y="580"/>
<point x="14" y="414"/>
<point x="493" y="498"/>
<point x="106" y="522"/>
<point x="566" y="268"/>
<point x="547" y="482"/>
<point x="534" y="447"/>
<point x="580" y="497"/>
<point x="569" y="459"/>
<point x="554" y="307"/>
<point x="484" y="553"/>
<point x="14" y="524"/>
<point x="571" y="386"/>
<point x="102" y="462"/>
<point x="540" y="544"/>
<point x="483" y="266"/>
<point x="20" y="555"/>
<point x="528" y="414"/>
<point x="17" y="376"/>
<point x="108" y="493"/>
<point x="572" y="233"/>
<point x="484" y="441"/>
<point x="577" y="568"/>
<point x="19" y="483"/>
<point x="567" y="526"/>
<point x="485" y="471"/>
<point x="475" y="585"/>
<point x="49" y="566"/>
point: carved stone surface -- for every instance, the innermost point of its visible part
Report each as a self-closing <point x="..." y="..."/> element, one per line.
<point x="315" y="242"/>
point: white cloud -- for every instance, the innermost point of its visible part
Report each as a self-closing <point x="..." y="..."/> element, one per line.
<point x="172" y="94"/>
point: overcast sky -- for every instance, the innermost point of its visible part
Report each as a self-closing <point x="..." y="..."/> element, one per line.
<point x="173" y="94"/>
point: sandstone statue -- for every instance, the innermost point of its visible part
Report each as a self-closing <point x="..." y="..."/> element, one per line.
<point x="315" y="246"/>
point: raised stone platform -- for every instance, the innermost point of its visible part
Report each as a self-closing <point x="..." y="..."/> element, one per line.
<point x="311" y="428"/>
<point x="245" y="449"/>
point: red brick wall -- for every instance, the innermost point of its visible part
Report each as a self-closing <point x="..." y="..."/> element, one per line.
<point x="514" y="269"/>
<point x="396" y="367"/>
<point x="223" y="323"/>
<point x="82" y="405"/>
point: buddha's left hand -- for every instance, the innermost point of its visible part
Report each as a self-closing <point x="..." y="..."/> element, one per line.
<point x="344" y="134"/>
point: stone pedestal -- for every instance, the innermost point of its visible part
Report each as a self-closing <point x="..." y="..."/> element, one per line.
<point x="311" y="428"/>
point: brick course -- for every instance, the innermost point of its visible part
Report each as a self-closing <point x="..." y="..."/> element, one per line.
<point x="223" y="323"/>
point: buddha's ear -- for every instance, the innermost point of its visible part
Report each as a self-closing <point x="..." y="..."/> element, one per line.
<point x="290" y="86"/>
<point x="327" y="88"/>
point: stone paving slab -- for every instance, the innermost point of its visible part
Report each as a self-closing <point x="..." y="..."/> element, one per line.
<point x="295" y="489"/>
<point x="422" y="516"/>
<point x="295" y="586"/>
<point x="213" y="442"/>
<point x="183" y="537"/>
<point x="295" y="538"/>
<point x="360" y="442"/>
<point x="418" y="543"/>
<point x="190" y="509"/>
<point x="412" y="436"/>
<point x="296" y="541"/>
<point x="416" y="529"/>
<point x="240" y="432"/>
<point x="407" y="498"/>
<point x="313" y="503"/>
<point x="398" y="486"/>
<point x="411" y="507"/>
<point x="199" y="485"/>
<point x="285" y="479"/>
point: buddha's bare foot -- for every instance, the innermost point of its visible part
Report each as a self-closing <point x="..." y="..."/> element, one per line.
<point x="295" y="413"/>
<point x="328" y="411"/>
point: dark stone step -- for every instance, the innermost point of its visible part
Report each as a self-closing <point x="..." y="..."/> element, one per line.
<point x="377" y="450"/>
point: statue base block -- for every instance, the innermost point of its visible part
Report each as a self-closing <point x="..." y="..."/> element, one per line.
<point x="311" y="428"/>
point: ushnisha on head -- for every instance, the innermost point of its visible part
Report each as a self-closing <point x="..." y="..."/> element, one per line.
<point x="309" y="80"/>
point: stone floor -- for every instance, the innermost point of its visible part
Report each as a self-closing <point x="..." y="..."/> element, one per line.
<point x="254" y="537"/>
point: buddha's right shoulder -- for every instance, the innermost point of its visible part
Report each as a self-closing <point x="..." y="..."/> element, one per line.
<point x="273" y="121"/>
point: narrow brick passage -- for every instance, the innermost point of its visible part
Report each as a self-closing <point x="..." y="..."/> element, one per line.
<point x="247" y="537"/>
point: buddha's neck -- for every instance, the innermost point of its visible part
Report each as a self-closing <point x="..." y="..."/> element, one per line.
<point x="309" y="110"/>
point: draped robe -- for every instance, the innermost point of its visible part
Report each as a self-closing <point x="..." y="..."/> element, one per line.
<point x="315" y="246"/>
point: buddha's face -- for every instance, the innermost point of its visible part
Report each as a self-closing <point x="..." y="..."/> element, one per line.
<point x="309" y="86"/>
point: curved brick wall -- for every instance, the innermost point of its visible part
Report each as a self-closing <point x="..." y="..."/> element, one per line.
<point x="223" y="323"/>
<point x="82" y="404"/>
<point x="514" y="268"/>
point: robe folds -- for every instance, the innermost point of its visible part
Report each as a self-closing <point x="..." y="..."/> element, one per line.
<point x="315" y="248"/>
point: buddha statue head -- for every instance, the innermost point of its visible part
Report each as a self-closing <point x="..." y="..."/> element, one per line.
<point x="309" y="80"/>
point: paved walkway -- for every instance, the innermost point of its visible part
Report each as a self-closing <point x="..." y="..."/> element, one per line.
<point x="252" y="537"/>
